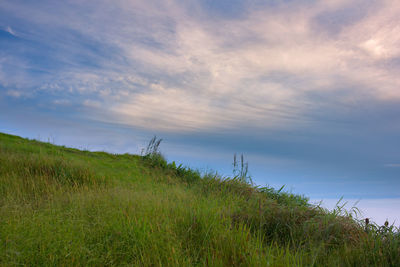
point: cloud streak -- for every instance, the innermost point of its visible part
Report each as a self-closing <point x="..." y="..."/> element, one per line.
<point x="393" y="165"/>
<point x="10" y="31"/>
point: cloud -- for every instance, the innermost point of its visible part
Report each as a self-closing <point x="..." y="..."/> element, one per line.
<point x="61" y="102"/>
<point x="234" y="62"/>
<point x="10" y="31"/>
<point x="91" y="103"/>
<point x="180" y="67"/>
<point x="14" y="93"/>
<point x="392" y="165"/>
<point x="375" y="48"/>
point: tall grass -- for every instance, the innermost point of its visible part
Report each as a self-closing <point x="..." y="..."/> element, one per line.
<point x="65" y="207"/>
<point x="241" y="169"/>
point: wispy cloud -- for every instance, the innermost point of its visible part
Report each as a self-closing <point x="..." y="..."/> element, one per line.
<point x="393" y="165"/>
<point x="172" y="68"/>
<point x="10" y="31"/>
<point x="61" y="102"/>
<point x="91" y="103"/>
<point x="229" y="74"/>
<point x="14" y="93"/>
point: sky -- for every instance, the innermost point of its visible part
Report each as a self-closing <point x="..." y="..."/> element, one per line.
<point x="308" y="91"/>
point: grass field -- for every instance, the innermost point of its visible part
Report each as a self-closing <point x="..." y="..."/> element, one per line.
<point x="65" y="207"/>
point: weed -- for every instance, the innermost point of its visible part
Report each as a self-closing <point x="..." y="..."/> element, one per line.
<point x="153" y="155"/>
<point x="241" y="169"/>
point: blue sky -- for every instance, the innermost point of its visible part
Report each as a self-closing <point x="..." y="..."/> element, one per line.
<point x="308" y="91"/>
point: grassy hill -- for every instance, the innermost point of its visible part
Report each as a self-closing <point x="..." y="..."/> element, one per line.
<point x="65" y="207"/>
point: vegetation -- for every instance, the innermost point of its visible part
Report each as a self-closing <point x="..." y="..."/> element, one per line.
<point x="65" y="207"/>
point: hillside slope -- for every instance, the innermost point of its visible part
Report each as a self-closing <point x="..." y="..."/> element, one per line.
<point x="65" y="207"/>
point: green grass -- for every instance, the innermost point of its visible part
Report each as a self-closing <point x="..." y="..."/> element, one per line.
<point x="65" y="207"/>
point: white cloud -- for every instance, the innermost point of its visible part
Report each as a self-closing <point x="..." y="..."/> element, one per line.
<point x="375" y="48"/>
<point x="10" y="31"/>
